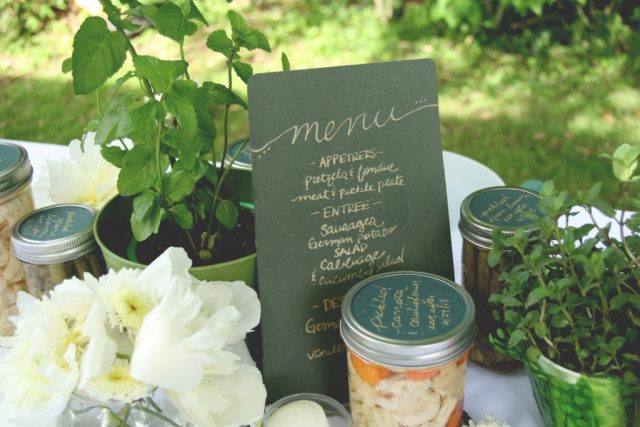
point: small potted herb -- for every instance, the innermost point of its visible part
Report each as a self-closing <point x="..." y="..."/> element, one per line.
<point x="570" y="306"/>
<point x="175" y="189"/>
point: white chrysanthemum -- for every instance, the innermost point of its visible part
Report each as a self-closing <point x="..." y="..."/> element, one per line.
<point x="85" y="177"/>
<point x="117" y="384"/>
<point x="40" y="370"/>
<point x="185" y="346"/>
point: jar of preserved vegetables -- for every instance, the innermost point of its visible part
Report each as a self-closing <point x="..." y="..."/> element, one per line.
<point x="16" y="200"/>
<point x="496" y="208"/>
<point x="408" y="336"/>
<point x="56" y="243"/>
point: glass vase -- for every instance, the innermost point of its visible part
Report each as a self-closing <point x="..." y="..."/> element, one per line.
<point x="152" y="411"/>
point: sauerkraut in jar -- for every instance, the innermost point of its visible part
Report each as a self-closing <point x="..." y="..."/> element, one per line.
<point x="408" y="337"/>
<point x="16" y="200"/>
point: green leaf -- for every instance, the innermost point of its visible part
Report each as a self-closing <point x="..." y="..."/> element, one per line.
<point x="243" y="70"/>
<point x="619" y="301"/>
<point x="218" y="41"/>
<point x="159" y="72"/>
<point x="541" y="329"/>
<point x="114" y="155"/>
<point x="116" y="122"/>
<point x="194" y="13"/>
<point x="182" y="216"/>
<point x="67" y="65"/>
<point x="97" y="54"/>
<point x="221" y="95"/>
<point x="146" y="216"/>
<point x="227" y="213"/>
<point x="286" y="66"/>
<point x="494" y="257"/>
<point x="171" y="22"/>
<point x="516" y="338"/>
<point x="138" y="170"/>
<point x="145" y="122"/>
<point x="261" y="40"/>
<point x="179" y="184"/>
<point x="183" y="110"/>
<point x="242" y="33"/>
<point x="204" y="113"/>
<point x="121" y="81"/>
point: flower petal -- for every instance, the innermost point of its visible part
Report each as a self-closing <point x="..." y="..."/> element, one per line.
<point x="224" y="401"/>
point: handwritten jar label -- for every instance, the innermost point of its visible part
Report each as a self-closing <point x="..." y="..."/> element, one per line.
<point x="56" y="223"/>
<point x="408" y="319"/>
<point x="504" y="207"/>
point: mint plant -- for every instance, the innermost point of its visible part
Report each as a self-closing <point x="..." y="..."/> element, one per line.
<point x="170" y="168"/>
<point x="572" y="293"/>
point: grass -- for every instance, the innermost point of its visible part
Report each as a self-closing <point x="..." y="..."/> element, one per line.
<point x="546" y="115"/>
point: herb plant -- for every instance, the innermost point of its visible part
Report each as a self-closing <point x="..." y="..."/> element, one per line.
<point x="170" y="169"/>
<point x="572" y="293"/>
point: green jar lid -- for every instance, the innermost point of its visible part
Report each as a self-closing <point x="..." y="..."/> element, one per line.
<point x="408" y="319"/>
<point x="15" y="168"/>
<point x="54" y="234"/>
<point x="503" y="208"/>
<point x="243" y="160"/>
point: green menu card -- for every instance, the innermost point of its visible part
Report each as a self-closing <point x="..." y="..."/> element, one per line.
<point x="348" y="182"/>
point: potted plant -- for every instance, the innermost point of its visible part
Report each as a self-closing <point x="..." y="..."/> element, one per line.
<point x="175" y="187"/>
<point x="570" y="307"/>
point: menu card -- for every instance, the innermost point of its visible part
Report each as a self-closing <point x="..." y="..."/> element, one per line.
<point x="348" y="182"/>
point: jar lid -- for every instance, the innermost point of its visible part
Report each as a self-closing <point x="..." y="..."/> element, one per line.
<point x="504" y="208"/>
<point x="408" y="319"/>
<point x="54" y="234"/>
<point x="243" y="161"/>
<point x="15" y="168"/>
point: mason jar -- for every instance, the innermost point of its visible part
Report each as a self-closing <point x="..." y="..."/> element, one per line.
<point x="56" y="243"/>
<point x="496" y="208"/>
<point x="408" y="335"/>
<point x="16" y="200"/>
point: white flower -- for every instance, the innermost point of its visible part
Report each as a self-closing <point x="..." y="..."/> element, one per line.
<point x="117" y="384"/>
<point x="185" y="347"/>
<point x="84" y="178"/>
<point x="78" y="301"/>
<point x="39" y="372"/>
<point x="131" y="294"/>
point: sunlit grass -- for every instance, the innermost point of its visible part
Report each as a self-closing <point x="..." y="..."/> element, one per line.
<point x="525" y="116"/>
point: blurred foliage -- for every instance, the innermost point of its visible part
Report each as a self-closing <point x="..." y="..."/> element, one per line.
<point x="533" y="26"/>
<point x="27" y="17"/>
<point x="528" y="103"/>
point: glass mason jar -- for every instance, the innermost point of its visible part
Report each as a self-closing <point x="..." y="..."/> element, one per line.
<point x="408" y="335"/>
<point x="495" y="208"/>
<point x="16" y="200"/>
<point x="56" y="243"/>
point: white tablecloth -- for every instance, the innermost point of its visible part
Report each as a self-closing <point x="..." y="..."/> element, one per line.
<point x="508" y="397"/>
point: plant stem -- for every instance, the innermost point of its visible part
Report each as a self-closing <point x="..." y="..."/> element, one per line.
<point x="186" y="72"/>
<point x="226" y="114"/>
<point x="159" y="416"/>
<point x="625" y="245"/>
<point x="159" y="168"/>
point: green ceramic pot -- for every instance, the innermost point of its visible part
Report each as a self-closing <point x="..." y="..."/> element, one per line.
<point x="112" y="232"/>
<point x="568" y="399"/>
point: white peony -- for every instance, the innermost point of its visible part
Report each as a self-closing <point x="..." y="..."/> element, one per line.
<point x="84" y="178"/>
<point x="186" y="346"/>
<point x="40" y="371"/>
<point x="120" y="337"/>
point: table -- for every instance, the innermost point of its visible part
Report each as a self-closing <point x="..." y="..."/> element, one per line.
<point x="508" y="397"/>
